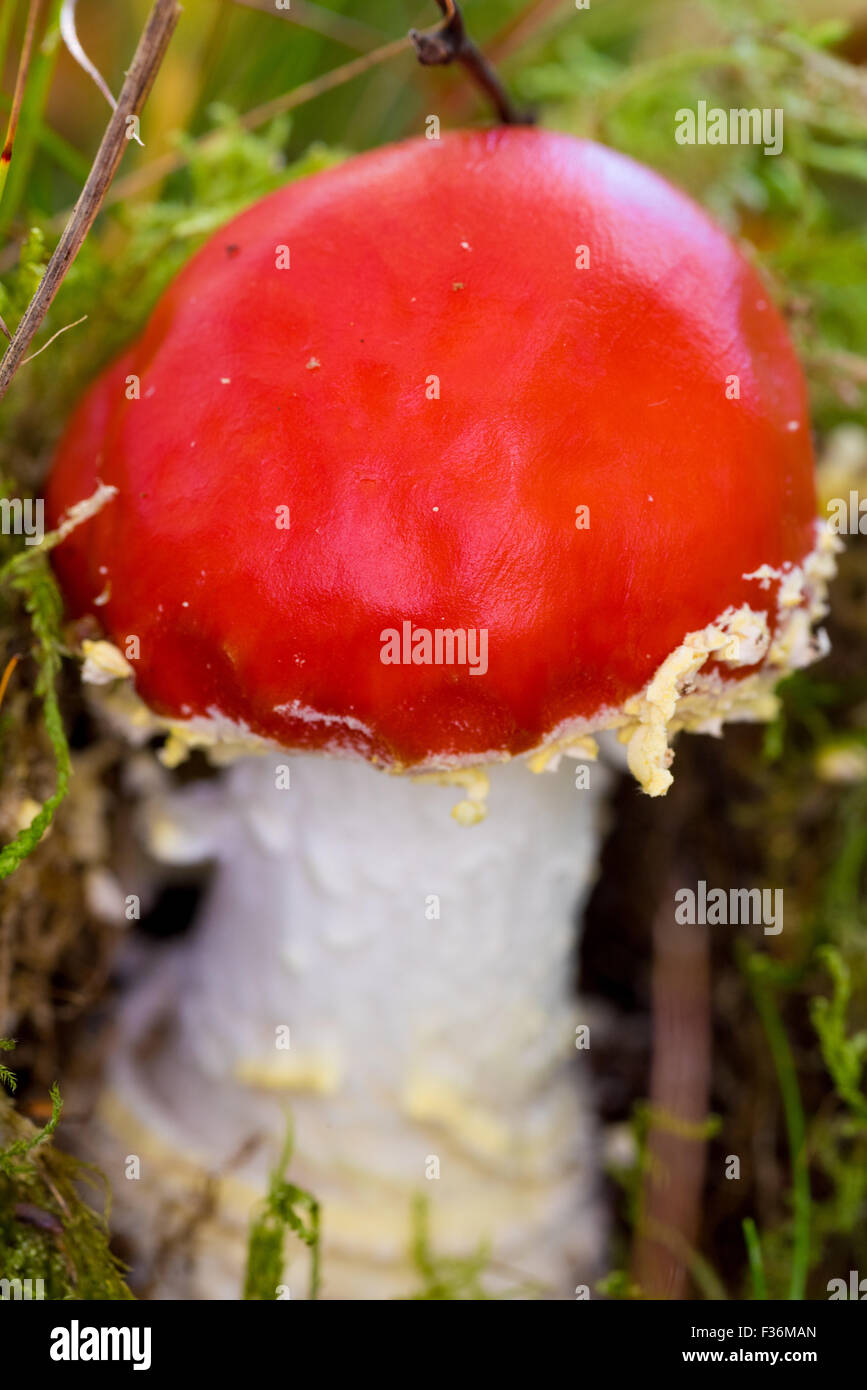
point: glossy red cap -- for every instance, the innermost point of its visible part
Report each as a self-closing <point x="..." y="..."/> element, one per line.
<point x="414" y="356"/>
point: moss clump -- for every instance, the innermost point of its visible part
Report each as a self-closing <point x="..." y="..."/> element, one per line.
<point x="47" y="1232"/>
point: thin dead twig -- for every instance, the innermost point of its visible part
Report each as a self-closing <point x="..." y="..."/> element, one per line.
<point x="679" y="1093"/>
<point x="65" y="329"/>
<point x="20" y="84"/>
<point x="450" y="43"/>
<point x="139" y="80"/>
<point x="158" y="169"/>
<point x="7" y="675"/>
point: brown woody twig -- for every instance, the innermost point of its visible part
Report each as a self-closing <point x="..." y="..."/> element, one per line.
<point x="450" y="43"/>
<point x="20" y="81"/>
<point x="679" y="1095"/>
<point x="148" y="56"/>
<point x="157" y="169"/>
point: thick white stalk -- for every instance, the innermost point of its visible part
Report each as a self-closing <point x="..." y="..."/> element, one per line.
<point x="422" y="974"/>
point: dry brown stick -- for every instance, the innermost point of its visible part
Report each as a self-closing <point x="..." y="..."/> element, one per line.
<point x="679" y="1098"/>
<point x="20" y="83"/>
<point x="145" y="65"/>
<point x="157" y="169"/>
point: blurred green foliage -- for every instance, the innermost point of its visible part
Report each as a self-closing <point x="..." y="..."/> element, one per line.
<point x="47" y="1231"/>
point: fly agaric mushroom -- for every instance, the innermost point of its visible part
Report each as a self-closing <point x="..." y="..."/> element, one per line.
<point x="442" y="461"/>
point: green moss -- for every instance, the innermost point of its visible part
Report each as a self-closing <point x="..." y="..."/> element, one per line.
<point x="47" y="1230"/>
<point x="20" y="287"/>
<point x="287" y="1210"/>
<point x="7" y="1077"/>
<point x="28" y="575"/>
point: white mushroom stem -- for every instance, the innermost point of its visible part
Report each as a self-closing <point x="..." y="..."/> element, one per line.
<point x="423" y="974"/>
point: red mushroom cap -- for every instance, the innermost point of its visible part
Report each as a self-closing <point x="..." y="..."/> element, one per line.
<point x="303" y="379"/>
